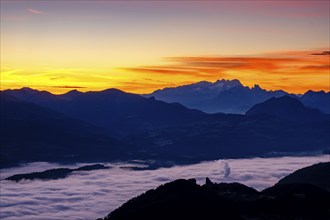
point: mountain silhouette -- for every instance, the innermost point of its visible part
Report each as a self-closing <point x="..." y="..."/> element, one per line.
<point x="80" y="126"/>
<point x="53" y="174"/>
<point x="117" y="111"/>
<point x="184" y="199"/>
<point x="180" y="199"/>
<point x="234" y="136"/>
<point x="227" y="96"/>
<point x="33" y="133"/>
<point x="230" y="96"/>
<point x="287" y="108"/>
<point x="319" y="100"/>
<point x="317" y="174"/>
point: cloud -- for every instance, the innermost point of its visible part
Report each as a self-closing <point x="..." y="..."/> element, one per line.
<point x="161" y="70"/>
<point x="237" y="63"/>
<point x="136" y="85"/>
<point x="225" y="168"/>
<point x="35" y="11"/>
<point x="159" y="81"/>
<point x="90" y="195"/>
<point x="301" y="69"/>
<point x="68" y="87"/>
<point x="316" y="67"/>
<point x="56" y="78"/>
<point x="323" y="53"/>
<point x="175" y="73"/>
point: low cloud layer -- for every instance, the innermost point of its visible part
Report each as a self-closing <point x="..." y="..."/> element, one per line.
<point x="89" y="195"/>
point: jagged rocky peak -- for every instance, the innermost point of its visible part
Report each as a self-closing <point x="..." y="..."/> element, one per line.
<point x="225" y="84"/>
<point x="257" y="87"/>
<point x="208" y="182"/>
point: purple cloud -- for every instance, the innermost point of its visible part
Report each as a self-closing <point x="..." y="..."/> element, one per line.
<point x="35" y="11"/>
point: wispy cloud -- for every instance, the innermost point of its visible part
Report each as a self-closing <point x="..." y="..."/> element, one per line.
<point x="301" y="68"/>
<point x="323" y="53"/>
<point x="69" y="87"/>
<point x="35" y="11"/>
<point x="136" y="85"/>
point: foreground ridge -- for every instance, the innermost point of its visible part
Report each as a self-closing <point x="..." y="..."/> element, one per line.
<point x="185" y="199"/>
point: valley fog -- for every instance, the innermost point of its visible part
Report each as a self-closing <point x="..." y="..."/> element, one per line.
<point x="93" y="194"/>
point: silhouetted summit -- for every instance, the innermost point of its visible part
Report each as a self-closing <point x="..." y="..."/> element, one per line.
<point x="228" y="96"/>
<point x="287" y="108"/>
<point x="230" y="188"/>
<point x="184" y="199"/>
<point x="319" y="100"/>
<point x="180" y="199"/>
<point x="317" y="174"/>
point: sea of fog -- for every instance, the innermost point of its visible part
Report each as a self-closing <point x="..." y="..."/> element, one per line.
<point x="93" y="194"/>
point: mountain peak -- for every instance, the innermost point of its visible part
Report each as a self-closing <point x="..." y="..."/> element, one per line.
<point x="288" y="108"/>
<point x="108" y="92"/>
<point x="311" y="92"/>
<point x="73" y="92"/>
<point x="283" y="101"/>
<point x="112" y="91"/>
<point x="316" y="174"/>
<point x="256" y="87"/>
<point x="29" y="90"/>
<point x="223" y="85"/>
<point x="228" y="82"/>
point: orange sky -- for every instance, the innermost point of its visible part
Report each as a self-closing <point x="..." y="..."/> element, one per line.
<point x="142" y="46"/>
<point x="295" y="71"/>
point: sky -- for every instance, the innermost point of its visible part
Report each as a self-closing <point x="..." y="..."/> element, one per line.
<point x="141" y="46"/>
<point x="92" y="195"/>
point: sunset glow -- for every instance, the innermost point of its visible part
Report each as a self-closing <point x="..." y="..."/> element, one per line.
<point x="141" y="46"/>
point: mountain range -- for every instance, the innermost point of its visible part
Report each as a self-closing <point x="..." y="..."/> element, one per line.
<point x="118" y="112"/>
<point x="223" y="135"/>
<point x="230" y="96"/>
<point x="30" y="132"/>
<point x="114" y="125"/>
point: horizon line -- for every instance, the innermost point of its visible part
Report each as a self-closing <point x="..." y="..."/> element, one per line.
<point x="78" y="88"/>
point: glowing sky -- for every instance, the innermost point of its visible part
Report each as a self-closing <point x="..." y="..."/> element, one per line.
<point x="143" y="46"/>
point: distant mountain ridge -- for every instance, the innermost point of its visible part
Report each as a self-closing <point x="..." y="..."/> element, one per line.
<point x="319" y="100"/>
<point x="112" y="124"/>
<point x="115" y="110"/>
<point x="287" y="108"/>
<point x="53" y="174"/>
<point x="30" y="133"/>
<point x="222" y="96"/>
<point x="230" y="96"/>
